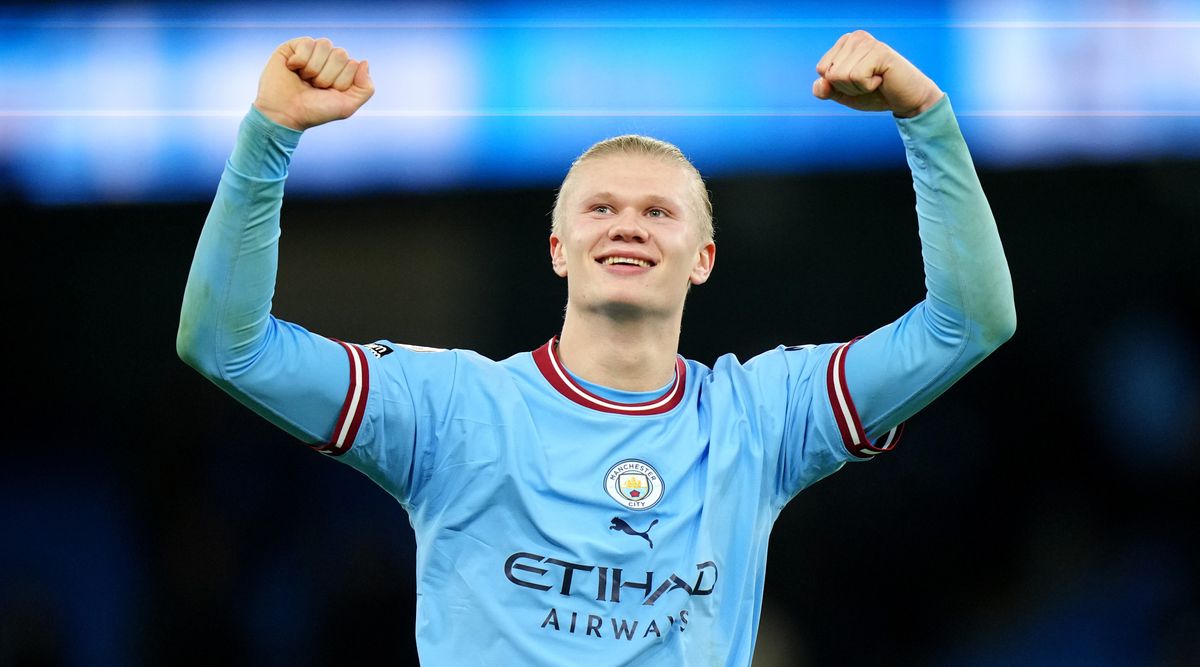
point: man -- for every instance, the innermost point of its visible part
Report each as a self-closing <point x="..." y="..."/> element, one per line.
<point x="599" y="500"/>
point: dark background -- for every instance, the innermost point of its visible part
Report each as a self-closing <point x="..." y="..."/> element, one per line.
<point x="1040" y="513"/>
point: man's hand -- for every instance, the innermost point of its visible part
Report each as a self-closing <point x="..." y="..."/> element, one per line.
<point x="863" y="73"/>
<point x="308" y="82"/>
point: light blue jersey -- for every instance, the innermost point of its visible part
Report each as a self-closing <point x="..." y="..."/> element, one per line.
<point x="559" y="522"/>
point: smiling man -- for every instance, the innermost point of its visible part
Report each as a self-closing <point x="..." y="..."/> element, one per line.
<point x="632" y="231"/>
<point x="599" y="500"/>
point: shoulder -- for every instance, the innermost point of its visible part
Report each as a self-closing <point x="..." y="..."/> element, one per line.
<point x="444" y="383"/>
<point x="782" y="360"/>
<point x="429" y="366"/>
<point x="783" y="374"/>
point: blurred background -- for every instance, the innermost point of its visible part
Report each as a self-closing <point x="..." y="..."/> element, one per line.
<point x="1037" y="514"/>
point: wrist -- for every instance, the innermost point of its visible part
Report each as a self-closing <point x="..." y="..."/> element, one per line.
<point x="278" y="117"/>
<point x="931" y="98"/>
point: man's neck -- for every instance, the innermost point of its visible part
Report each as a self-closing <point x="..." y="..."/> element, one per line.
<point x="631" y="355"/>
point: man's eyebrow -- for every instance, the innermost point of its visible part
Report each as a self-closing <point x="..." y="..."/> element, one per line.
<point x="653" y="199"/>
<point x="599" y="195"/>
<point x="664" y="201"/>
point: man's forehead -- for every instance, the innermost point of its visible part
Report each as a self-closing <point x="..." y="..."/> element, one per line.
<point x="623" y="161"/>
<point x="631" y="175"/>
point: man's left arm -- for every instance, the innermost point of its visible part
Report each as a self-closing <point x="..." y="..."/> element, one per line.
<point x="968" y="311"/>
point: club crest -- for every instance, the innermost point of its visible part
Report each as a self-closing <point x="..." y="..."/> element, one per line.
<point x="634" y="484"/>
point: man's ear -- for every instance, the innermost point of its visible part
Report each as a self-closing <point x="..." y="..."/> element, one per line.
<point x="706" y="259"/>
<point x="558" y="255"/>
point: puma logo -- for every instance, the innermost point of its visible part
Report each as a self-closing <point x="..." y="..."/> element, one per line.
<point x="619" y="524"/>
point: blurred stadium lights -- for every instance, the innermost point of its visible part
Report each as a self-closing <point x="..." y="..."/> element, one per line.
<point x="130" y="102"/>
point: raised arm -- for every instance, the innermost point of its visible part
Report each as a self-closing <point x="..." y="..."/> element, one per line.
<point x="968" y="311"/>
<point x="295" y="379"/>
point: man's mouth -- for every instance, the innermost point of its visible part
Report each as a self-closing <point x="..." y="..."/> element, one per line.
<point x="629" y="261"/>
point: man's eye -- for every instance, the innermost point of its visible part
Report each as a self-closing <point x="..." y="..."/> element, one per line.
<point x="656" y="213"/>
<point x="600" y="208"/>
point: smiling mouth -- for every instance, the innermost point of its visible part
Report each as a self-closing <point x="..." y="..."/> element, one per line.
<point x="627" y="261"/>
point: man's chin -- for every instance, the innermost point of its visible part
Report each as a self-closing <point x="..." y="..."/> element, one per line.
<point x="621" y="310"/>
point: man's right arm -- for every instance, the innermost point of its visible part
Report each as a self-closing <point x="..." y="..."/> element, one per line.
<point x="295" y="379"/>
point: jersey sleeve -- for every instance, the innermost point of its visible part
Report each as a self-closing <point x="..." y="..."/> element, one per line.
<point x="968" y="310"/>
<point x="848" y="402"/>
<point x="329" y="394"/>
<point x="395" y="406"/>
<point x="226" y="331"/>
<point x="806" y="416"/>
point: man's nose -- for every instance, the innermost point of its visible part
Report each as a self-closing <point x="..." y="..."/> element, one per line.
<point x="627" y="227"/>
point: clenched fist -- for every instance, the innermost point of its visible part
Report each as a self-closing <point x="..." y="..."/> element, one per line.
<point x="863" y="73"/>
<point x="308" y="82"/>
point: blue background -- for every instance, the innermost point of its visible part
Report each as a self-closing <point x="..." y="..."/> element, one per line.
<point x="126" y="103"/>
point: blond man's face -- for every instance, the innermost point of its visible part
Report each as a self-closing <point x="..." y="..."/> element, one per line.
<point x="629" y="240"/>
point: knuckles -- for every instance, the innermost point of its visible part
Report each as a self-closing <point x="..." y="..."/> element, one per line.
<point x="837" y="72"/>
<point x="858" y="36"/>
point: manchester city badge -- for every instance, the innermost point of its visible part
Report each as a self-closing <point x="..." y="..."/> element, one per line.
<point x="634" y="484"/>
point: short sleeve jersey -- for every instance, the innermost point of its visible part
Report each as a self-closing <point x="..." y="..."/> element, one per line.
<point x="557" y="519"/>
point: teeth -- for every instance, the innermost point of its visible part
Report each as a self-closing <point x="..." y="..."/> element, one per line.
<point x="608" y="261"/>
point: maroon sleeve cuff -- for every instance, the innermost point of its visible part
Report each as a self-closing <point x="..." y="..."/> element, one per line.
<point x="355" y="406"/>
<point x="853" y="436"/>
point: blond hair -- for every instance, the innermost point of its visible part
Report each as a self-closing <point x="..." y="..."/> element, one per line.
<point x="636" y="144"/>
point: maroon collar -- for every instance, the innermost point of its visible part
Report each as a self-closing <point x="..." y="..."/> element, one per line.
<point x="546" y="358"/>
